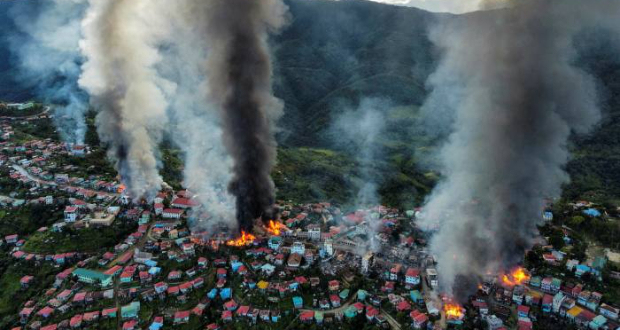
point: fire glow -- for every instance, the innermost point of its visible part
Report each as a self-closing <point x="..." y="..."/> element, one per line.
<point x="275" y="228"/>
<point x="245" y="239"/>
<point x="121" y="188"/>
<point x="453" y="311"/>
<point x="516" y="277"/>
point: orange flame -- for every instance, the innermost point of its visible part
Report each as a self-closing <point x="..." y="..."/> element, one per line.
<point x="121" y="188"/>
<point x="275" y="228"/>
<point x="516" y="277"/>
<point x="453" y="311"/>
<point x="245" y="239"/>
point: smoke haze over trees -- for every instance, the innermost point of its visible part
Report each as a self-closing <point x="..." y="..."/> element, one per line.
<point x="346" y="50"/>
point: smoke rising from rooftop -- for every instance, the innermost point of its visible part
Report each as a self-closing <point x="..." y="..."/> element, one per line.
<point x="239" y="82"/>
<point x="195" y="125"/>
<point x="519" y="98"/>
<point x="358" y="132"/>
<point x="120" y="45"/>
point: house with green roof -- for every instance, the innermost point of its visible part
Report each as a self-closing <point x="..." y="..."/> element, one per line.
<point x="318" y="316"/>
<point x="298" y="302"/>
<point x="598" y="322"/>
<point x="131" y="310"/>
<point x="344" y="294"/>
<point x="350" y="312"/>
<point x="416" y="297"/>
<point x="361" y="295"/>
<point x="92" y="277"/>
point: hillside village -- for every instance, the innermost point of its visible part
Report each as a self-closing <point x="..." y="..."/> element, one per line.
<point x="311" y="267"/>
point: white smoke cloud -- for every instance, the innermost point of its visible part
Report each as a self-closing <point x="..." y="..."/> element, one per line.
<point x="516" y="98"/>
<point x="359" y="132"/>
<point x="48" y="57"/>
<point x="194" y="122"/>
<point x="120" y="44"/>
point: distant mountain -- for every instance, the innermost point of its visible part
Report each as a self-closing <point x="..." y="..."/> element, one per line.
<point x="336" y="52"/>
<point x="333" y="54"/>
<point x="10" y="88"/>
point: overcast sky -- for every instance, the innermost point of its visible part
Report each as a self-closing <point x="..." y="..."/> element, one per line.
<point x="451" y="6"/>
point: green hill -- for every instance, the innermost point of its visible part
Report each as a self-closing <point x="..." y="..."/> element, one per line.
<point x="333" y="54"/>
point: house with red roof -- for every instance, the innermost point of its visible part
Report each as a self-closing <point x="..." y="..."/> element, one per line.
<point x="174" y="275"/>
<point x="76" y="321"/>
<point x="183" y="203"/>
<point x="64" y="295"/>
<point x="333" y="285"/>
<point x="109" y="312"/>
<point x="403" y="306"/>
<point x="130" y="325"/>
<point x="419" y="319"/>
<point x="395" y="272"/>
<point x="181" y="317"/>
<point x="113" y="271"/>
<point x="45" y="312"/>
<point x="79" y="298"/>
<point x="198" y="282"/>
<point x="334" y="300"/>
<point x="306" y="317"/>
<point x="231" y="305"/>
<point x="227" y="316"/>
<point x="388" y="287"/>
<point x="50" y="327"/>
<point x="371" y="313"/>
<point x="158" y="208"/>
<point x="71" y="213"/>
<point x="185" y="287"/>
<point x="173" y="290"/>
<point x="25" y="313"/>
<point x="161" y="287"/>
<point x="243" y="310"/>
<point x="26" y="281"/>
<point x="91" y="316"/>
<point x="412" y="277"/>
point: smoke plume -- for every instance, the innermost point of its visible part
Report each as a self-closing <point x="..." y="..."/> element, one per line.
<point x="47" y="53"/>
<point x="121" y="48"/>
<point x="239" y="82"/>
<point x="519" y="100"/>
<point x="194" y="122"/>
<point x="358" y="132"/>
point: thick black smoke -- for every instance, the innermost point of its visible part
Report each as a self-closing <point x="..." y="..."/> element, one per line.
<point x="519" y="99"/>
<point x="239" y="74"/>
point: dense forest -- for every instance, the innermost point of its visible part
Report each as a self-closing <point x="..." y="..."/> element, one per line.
<point x="334" y="55"/>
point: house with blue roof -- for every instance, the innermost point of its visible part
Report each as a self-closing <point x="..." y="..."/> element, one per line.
<point x="416" y="297"/>
<point x="226" y="293"/>
<point x="212" y="294"/>
<point x="235" y="265"/>
<point x="581" y="269"/>
<point x="592" y="212"/>
<point x="298" y="302"/>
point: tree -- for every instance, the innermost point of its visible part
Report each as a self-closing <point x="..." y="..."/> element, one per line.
<point x="576" y="221"/>
<point x="557" y="239"/>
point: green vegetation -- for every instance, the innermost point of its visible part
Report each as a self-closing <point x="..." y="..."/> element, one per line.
<point x="14" y="112"/>
<point x="82" y="240"/>
<point x="12" y="296"/>
<point x="28" y="218"/>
